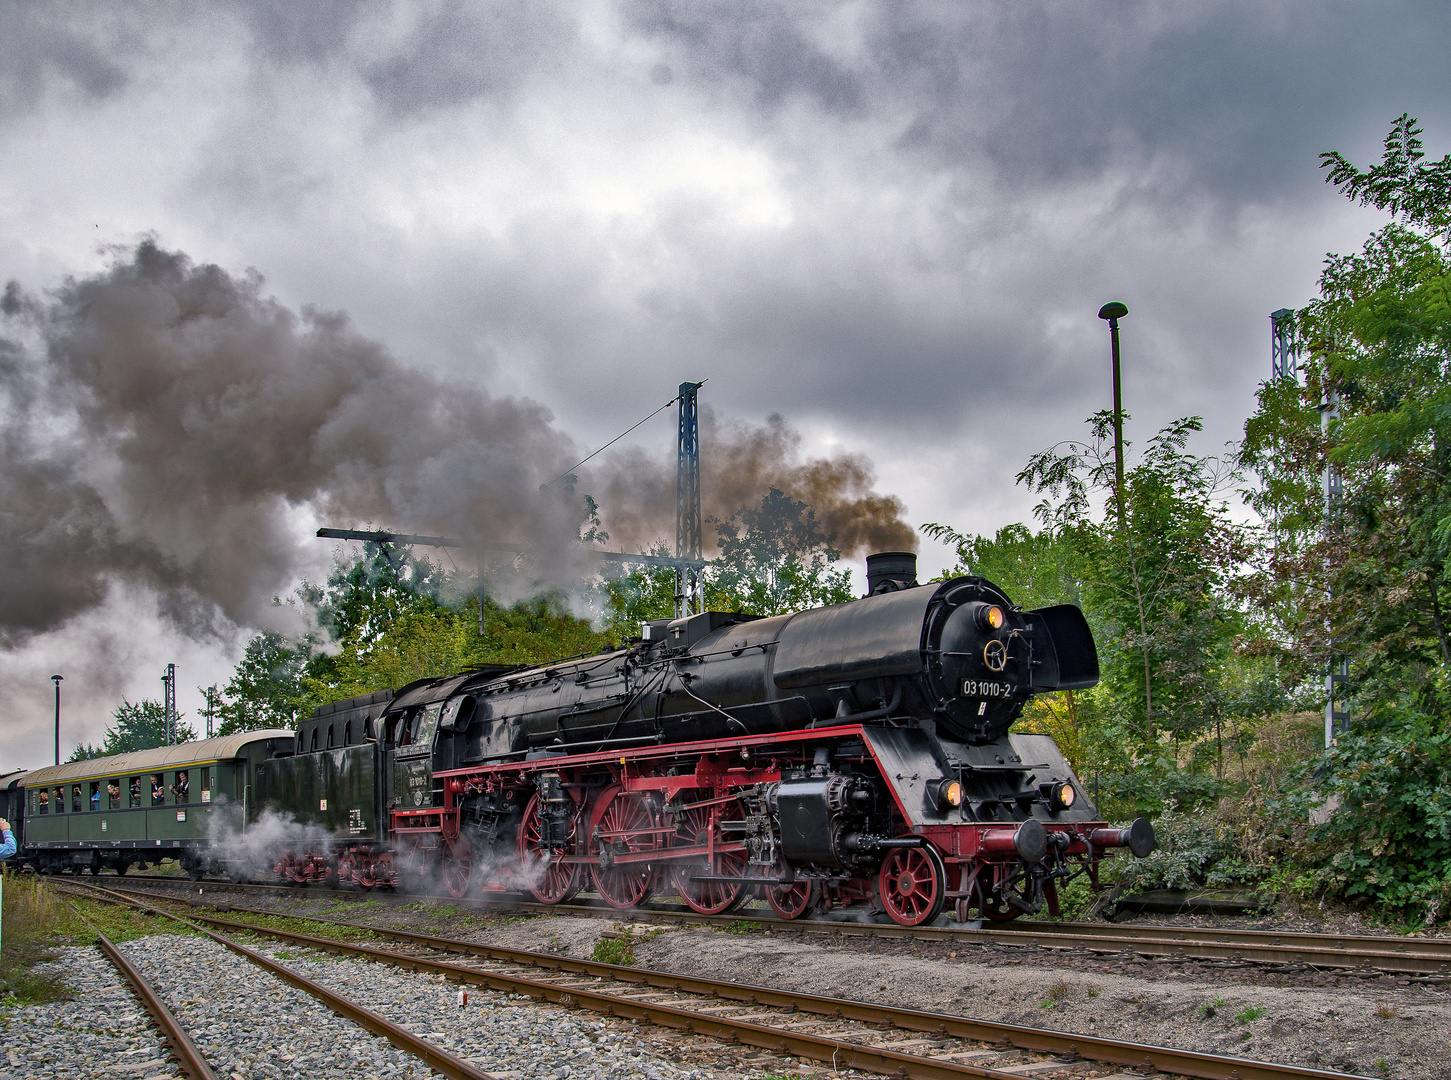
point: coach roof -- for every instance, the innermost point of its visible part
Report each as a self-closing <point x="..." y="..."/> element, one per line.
<point x="179" y="755"/>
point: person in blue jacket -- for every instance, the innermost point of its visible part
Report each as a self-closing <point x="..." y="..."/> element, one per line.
<point x="7" y="840"/>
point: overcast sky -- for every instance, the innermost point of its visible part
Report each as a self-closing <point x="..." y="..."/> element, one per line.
<point x="892" y="224"/>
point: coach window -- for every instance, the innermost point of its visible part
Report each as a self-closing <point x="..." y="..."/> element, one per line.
<point x="182" y="787"/>
<point x="133" y="791"/>
<point x="42" y="802"/>
<point x="206" y="781"/>
<point x="158" y="790"/>
<point x="77" y="799"/>
<point x="113" y="794"/>
<point x="58" y="800"/>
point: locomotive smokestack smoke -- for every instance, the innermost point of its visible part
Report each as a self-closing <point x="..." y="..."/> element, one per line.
<point x="740" y="463"/>
<point x="165" y="421"/>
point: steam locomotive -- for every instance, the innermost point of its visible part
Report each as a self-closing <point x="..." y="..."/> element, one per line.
<point x="859" y="755"/>
<point x="854" y="755"/>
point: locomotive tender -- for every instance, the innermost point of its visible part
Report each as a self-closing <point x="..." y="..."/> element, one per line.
<point x="859" y="754"/>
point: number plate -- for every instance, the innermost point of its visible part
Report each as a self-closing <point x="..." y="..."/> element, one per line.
<point x="982" y="688"/>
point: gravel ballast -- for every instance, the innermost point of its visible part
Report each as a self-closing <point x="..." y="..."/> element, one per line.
<point x="249" y="1024"/>
<point x="102" y="1032"/>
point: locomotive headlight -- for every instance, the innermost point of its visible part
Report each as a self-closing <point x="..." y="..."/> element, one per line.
<point x="1061" y="795"/>
<point x="947" y="794"/>
<point x="990" y="617"/>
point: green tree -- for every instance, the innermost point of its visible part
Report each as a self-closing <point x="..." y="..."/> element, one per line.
<point x="138" y="725"/>
<point x="1370" y="580"/>
<point x="774" y="558"/>
<point x="266" y="690"/>
<point x="1366" y="576"/>
<point x="1158" y="583"/>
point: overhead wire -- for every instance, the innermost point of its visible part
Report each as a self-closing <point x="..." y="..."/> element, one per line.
<point x="616" y="439"/>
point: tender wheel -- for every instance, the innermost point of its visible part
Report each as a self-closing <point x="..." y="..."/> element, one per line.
<point x="708" y="897"/>
<point x="913" y="884"/>
<point x="547" y="879"/>
<point x="792" y="901"/>
<point x="122" y="867"/>
<point x="458" y="866"/>
<point x="624" y="824"/>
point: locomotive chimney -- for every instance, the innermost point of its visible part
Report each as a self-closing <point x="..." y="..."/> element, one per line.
<point x="889" y="571"/>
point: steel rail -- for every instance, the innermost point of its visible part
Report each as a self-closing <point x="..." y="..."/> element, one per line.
<point x="842" y="1052"/>
<point x="1414" y="956"/>
<point x="185" y="1051"/>
<point x="436" y="1057"/>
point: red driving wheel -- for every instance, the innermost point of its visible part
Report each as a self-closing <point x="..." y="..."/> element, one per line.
<point x="913" y="883"/>
<point x="548" y="879"/>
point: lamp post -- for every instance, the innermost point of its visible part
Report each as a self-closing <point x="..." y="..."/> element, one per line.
<point x="57" y="680"/>
<point x="1113" y="312"/>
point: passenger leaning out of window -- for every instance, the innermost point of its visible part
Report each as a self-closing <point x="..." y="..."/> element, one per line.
<point x="113" y="795"/>
<point x="158" y="790"/>
<point x="182" y="790"/>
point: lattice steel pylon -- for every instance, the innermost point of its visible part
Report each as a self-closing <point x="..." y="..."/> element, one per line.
<point x="1284" y="364"/>
<point x="1283" y="348"/>
<point x="689" y="586"/>
<point x="168" y="705"/>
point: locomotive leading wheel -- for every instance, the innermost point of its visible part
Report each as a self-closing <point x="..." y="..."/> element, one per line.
<point x="458" y="866"/>
<point x="708" y="897"/>
<point x="551" y="881"/>
<point x="791" y="901"/>
<point x="625" y="825"/>
<point x="913" y="884"/>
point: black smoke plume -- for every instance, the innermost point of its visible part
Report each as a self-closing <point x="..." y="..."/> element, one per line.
<point x="169" y="425"/>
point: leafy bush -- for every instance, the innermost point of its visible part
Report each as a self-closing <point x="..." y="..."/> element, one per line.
<point x="1194" y="851"/>
<point x="1388" y="842"/>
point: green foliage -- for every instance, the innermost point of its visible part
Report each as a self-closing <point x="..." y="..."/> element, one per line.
<point x="1249" y="1014"/>
<point x="31" y="909"/>
<point x="1389" y="841"/>
<point x="775" y="559"/>
<point x="264" y="690"/>
<point x="1194" y="851"/>
<point x="139" y="725"/>
<point x="1368" y="578"/>
<point x="614" y="948"/>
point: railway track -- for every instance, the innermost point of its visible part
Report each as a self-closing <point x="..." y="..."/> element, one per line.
<point x="1427" y="959"/>
<point x="852" y="1034"/>
<point x="432" y="1055"/>
<point x="190" y="1059"/>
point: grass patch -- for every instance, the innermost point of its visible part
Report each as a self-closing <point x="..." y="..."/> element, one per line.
<point x="1385" y="1010"/>
<point x="1249" y="1015"/>
<point x="743" y="926"/>
<point x="615" y="949"/>
<point x="1211" y="1008"/>
<point x="618" y="946"/>
<point x="24" y="942"/>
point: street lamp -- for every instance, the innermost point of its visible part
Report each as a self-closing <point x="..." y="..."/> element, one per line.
<point x="57" y="680"/>
<point x="1113" y="312"/>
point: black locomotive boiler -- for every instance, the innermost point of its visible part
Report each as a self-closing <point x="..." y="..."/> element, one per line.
<point x="859" y="754"/>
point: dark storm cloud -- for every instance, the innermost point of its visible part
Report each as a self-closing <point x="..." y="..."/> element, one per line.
<point x="762" y="44"/>
<point x="419" y="56"/>
<point x="77" y="48"/>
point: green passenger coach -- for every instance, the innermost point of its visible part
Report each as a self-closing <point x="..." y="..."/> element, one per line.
<point x="139" y="808"/>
